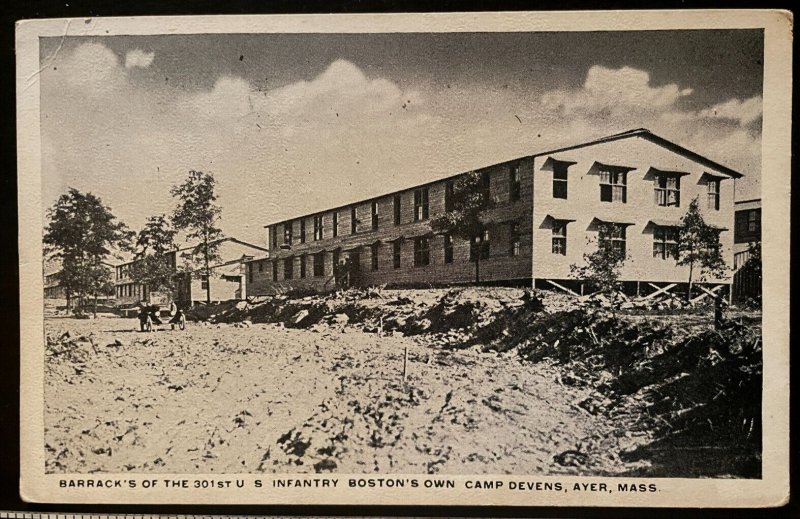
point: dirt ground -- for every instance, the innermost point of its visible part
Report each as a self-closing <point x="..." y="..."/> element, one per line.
<point x="263" y="398"/>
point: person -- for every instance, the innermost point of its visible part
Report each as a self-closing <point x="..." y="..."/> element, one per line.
<point x="175" y="315"/>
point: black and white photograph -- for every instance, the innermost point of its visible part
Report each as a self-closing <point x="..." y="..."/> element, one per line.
<point x="474" y="261"/>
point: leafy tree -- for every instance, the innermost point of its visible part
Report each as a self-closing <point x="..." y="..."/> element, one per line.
<point x="151" y="266"/>
<point x="82" y="232"/>
<point x="698" y="246"/>
<point x="601" y="268"/>
<point x="470" y="198"/>
<point x="198" y="215"/>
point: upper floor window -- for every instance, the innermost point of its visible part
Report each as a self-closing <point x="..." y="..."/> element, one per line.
<point x="287" y="233"/>
<point x="713" y="193"/>
<point x="668" y="190"/>
<point x="421" y="204"/>
<point x="613" y="185"/>
<point x="514" y="183"/>
<point x="335" y="224"/>
<point x="614" y="237"/>
<point x="665" y="242"/>
<point x="374" y="216"/>
<point x="250" y="272"/>
<point x="396" y="204"/>
<point x="486" y="183"/>
<point x="559" y="230"/>
<point x="273" y="236"/>
<point x="448" y="195"/>
<point x="303" y="231"/>
<point x="560" y="169"/>
<point x="317" y="228"/>
<point x="421" y="252"/>
<point x="353" y="220"/>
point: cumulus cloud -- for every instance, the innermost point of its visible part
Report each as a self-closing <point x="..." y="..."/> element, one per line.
<point x="139" y="58"/>
<point x="277" y="152"/>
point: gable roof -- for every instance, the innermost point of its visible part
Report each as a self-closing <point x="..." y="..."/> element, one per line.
<point x="655" y="139"/>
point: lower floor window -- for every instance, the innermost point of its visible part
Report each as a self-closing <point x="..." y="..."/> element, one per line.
<point x="374" y="256"/>
<point x="204" y="282"/>
<point x="302" y="267"/>
<point x="288" y="268"/>
<point x="665" y="242"/>
<point x="614" y="236"/>
<point x="319" y="264"/>
<point x="559" y="237"/>
<point x="421" y="252"/>
<point x="513" y="249"/>
<point x="480" y="246"/>
<point x="396" y="254"/>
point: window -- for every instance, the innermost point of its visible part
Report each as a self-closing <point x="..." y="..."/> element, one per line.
<point x="713" y="194"/>
<point x="486" y="183"/>
<point x="421" y="252"/>
<point x="665" y="242"/>
<point x="287" y="233"/>
<point x="560" y="237"/>
<point x="480" y="246"/>
<point x="335" y="225"/>
<point x="421" y="204"/>
<point x="374" y="211"/>
<point x="288" y="268"/>
<point x="261" y="266"/>
<point x="302" y="266"/>
<point x="513" y="248"/>
<point x="448" y="248"/>
<point x="273" y="236"/>
<point x="204" y="282"/>
<point x="396" y="204"/>
<point x="319" y="264"/>
<point x="317" y="228"/>
<point x="613" y="186"/>
<point x="275" y="270"/>
<point x="560" y="179"/>
<point x="668" y="190"/>
<point x="448" y="196"/>
<point x="614" y="238"/>
<point x="353" y="220"/>
<point x="396" y="254"/>
<point x="302" y="231"/>
<point x="374" y="249"/>
<point x="514" y="183"/>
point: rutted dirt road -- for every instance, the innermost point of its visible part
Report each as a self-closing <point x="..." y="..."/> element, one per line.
<point x="237" y="398"/>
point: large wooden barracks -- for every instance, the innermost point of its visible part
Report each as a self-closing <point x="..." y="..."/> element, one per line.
<point x="548" y="210"/>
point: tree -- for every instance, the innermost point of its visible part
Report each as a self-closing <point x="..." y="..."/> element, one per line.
<point x="470" y="198"/>
<point x="198" y="215"/>
<point x="698" y="246"/>
<point x="601" y="268"/>
<point x="82" y="232"/>
<point x="153" y="244"/>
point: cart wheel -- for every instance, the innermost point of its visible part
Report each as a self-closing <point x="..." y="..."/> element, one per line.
<point x="182" y="323"/>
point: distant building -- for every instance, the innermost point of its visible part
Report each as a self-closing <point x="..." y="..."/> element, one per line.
<point x="53" y="288"/>
<point x="550" y="206"/>
<point x="226" y="278"/>
<point x="746" y="229"/>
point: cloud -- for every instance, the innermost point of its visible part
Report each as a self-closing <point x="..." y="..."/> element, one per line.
<point x="280" y="152"/>
<point x="743" y="111"/>
<point x="139" y="58"/>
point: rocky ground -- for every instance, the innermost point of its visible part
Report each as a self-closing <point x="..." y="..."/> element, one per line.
<point x="496" y="381"/>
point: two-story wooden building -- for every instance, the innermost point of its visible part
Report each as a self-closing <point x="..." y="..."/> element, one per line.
<point x="549" y="209"/>
<point x="226" y="279"/>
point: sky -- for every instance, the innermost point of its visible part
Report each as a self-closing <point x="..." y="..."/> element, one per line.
<point x="290" y="124"/>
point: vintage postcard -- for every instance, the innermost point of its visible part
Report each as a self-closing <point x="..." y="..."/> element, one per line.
<point x="474" y="259"/>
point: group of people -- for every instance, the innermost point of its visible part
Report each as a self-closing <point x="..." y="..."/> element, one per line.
<point x="176" y="315"/>
<point x="344" y="273"/>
